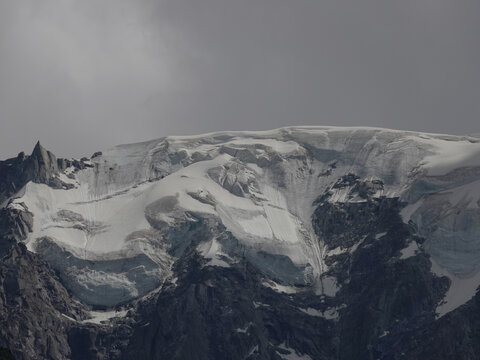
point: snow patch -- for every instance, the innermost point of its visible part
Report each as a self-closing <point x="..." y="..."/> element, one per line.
<point x="280" y="288"/>
<point x="329" y="314"/>
<point x="68" y="317"/>
<point x="461" y="289"/>
<point x="243" y="330"/>
<point x="409" y="251"/>
<point x="212" y="250"/>
<point x="291" y="354"/>
<point x="329" y="286"/>
<point x="16" y="206"/>
<point x="253" y="351"/>
<point x="256" y="305"/>
<point x="311" y="312"/>
<point x="101" y="317"/>
<point x="407" y="212"/>
<point x="385" y="333"/>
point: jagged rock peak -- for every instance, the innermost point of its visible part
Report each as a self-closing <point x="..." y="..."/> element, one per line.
<point x="38" y="146"/>
<point x="45" y="159"/>
<point x="40" y="167"/>
<point x="39" y="150"/>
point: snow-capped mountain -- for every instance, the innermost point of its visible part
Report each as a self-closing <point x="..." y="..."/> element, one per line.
<point x="280" y="236"/>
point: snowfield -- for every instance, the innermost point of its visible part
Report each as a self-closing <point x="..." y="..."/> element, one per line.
<point x="260" y="187"/>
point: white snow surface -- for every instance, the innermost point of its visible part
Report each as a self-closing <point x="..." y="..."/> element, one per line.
<point x="102" y="317"/>
<point x="410" y="250"/>
<point x="462" y="289"/>
<point x="281" y="288"/>
<point x="291" y="354"/>
<point x="16" y="206"/>
<point x="450" y="154"/>
<point x="263" y="195"/>
<point x="212" y="250"/>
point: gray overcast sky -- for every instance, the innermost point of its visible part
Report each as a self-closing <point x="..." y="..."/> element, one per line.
<point x="83" y="75"/>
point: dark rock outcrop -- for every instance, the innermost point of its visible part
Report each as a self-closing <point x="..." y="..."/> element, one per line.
<point x="226" y="313"/>
<point x="34" y="308"/>
<point x="40" y="167"/>
<point x="36" y="311"/>
<point x="15" y="224"/>
<point x="5" y="354"/>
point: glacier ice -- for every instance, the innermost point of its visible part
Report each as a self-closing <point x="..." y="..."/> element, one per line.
<point x="250" y="194"/>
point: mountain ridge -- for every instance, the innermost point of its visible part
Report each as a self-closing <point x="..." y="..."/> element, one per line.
<point x="311" y="214"/>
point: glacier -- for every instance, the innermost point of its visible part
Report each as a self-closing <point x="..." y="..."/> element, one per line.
<point x="115" y="232"/>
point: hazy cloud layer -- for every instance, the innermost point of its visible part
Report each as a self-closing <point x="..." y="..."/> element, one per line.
<point x="83" y="75"/>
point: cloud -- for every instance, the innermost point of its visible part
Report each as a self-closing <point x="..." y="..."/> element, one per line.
<point x="83" y="75"/>
<point x="72" y="67"/>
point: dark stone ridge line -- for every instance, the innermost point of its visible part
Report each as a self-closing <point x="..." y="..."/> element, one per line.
<point x="41" y="167"/>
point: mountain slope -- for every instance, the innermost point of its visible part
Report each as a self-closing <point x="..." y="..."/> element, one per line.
<point x="314" y="242"/>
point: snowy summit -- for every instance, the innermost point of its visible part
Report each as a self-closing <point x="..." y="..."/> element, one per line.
<point x="257" y="190"/>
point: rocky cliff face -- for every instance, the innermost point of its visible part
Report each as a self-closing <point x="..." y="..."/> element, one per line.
<point x="34" y="307"/>
<point x="298" y="243"/>
<point x="39" y="167"/>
